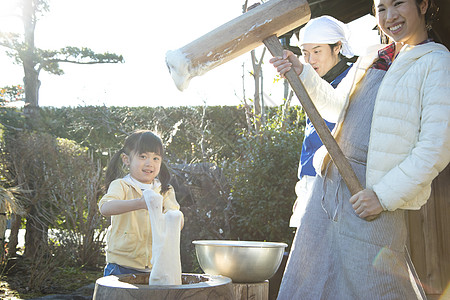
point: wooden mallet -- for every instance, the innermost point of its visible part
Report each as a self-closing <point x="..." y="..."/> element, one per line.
<point x="259" y="25"/>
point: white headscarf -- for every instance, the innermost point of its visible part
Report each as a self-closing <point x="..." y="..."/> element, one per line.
<point x="326" y="30"/>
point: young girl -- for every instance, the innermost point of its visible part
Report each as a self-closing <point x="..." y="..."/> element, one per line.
<point x="129" y="238"/>
<point x="393" y="113"/>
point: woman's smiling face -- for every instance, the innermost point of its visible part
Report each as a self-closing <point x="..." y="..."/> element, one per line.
<point x="402" y="20"/>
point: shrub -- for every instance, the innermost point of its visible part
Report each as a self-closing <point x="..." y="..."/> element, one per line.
<point x="263" y="180"/>
<point x="62" y="185"/>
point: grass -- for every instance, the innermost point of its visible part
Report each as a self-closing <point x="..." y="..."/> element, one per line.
<point x="15" y="279"/>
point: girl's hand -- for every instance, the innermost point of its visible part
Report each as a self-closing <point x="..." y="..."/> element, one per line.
<point x="142" y="202"/>
<point x="286" y="62"/>
<point x="117" y="207"/>
<point x="366" y="204"/>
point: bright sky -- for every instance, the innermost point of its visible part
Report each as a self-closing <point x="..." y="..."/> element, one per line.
<point x="141" y="31"/>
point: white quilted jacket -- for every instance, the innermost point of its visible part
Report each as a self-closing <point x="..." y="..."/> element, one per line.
<point x="410" y="133"/>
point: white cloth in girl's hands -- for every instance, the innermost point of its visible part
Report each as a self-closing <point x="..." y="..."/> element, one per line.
<point x="166" y="227"/>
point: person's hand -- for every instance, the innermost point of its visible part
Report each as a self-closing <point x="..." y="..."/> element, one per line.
<point x="366" y="204"/>
<point x="286" y="62"/>
<point x="142" y="202"/>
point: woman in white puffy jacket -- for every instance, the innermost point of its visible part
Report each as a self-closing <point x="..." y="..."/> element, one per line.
<point x="392" y="113"/>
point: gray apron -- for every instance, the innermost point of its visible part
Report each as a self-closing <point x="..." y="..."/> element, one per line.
<point x="335" y="254"/>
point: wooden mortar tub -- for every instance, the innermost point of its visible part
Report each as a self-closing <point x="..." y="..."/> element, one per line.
<point x="135" y="286"/>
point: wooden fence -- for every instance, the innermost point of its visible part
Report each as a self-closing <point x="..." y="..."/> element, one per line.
<point x="429" y="239"/>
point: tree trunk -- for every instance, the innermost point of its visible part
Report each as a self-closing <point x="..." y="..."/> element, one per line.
<point x="16" y="222"/>
<point x="29" y="59"/>
<point x="36" y="234"/>
<point x="2" y="230"/>
<point x="259" y="99"/>
<point x="288" y="94"/>
<point x="31" y="84"/>
<point x="256" y="101"/>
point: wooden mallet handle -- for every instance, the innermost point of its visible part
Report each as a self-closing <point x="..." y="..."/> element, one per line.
<point x="276" y="49"/>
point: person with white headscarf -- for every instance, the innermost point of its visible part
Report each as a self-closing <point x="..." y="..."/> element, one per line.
<point x="324" y="42"/>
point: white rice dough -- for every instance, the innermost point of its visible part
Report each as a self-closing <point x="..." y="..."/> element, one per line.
<point x="166" y="259"/>
<point x="182" y="69"/>
<point x="179" y="67"/>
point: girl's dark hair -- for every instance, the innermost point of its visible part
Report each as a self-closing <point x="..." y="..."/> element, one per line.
<point x="138" y="142"/>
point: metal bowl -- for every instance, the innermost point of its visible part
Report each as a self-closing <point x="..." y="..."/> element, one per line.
<point x="242" y="261"/>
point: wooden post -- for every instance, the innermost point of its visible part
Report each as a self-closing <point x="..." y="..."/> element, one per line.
<point x="251" y="291"/>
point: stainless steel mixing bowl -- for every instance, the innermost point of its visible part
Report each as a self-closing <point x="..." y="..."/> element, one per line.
<point x="242" y="261"/>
